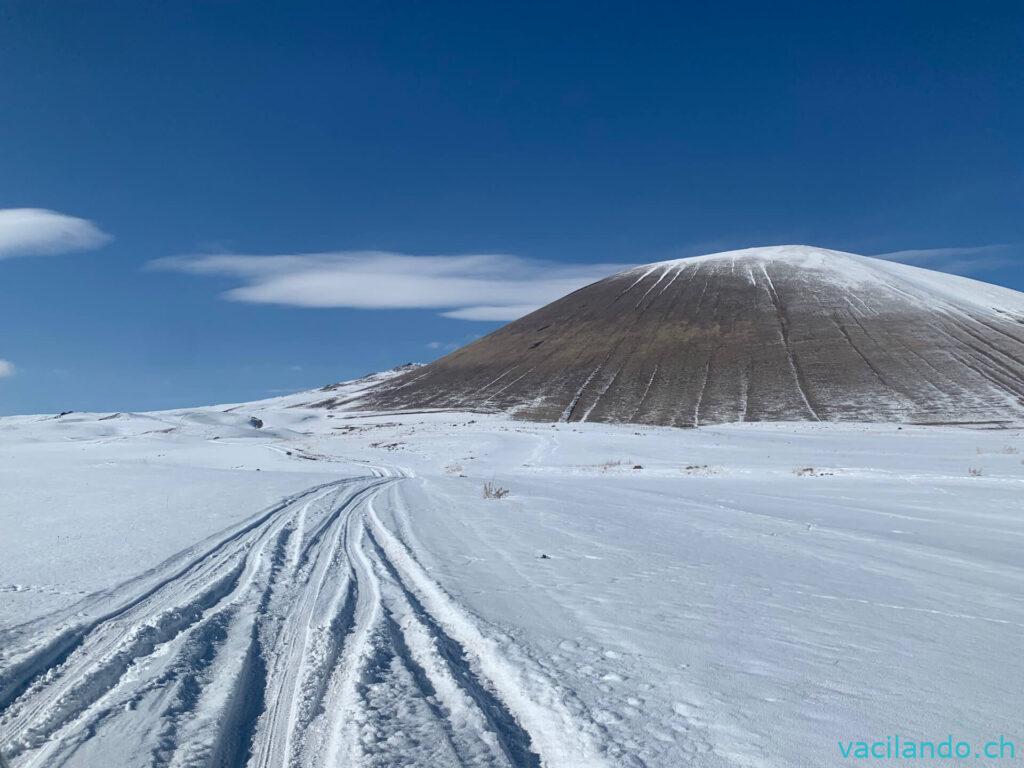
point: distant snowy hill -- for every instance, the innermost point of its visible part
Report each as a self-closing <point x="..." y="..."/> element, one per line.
<point x="786" y="333"/>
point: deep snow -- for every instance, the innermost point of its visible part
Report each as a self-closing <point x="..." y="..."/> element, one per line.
<point x="183" y="588"/>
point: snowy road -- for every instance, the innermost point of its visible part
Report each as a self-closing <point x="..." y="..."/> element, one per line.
<point x="305" y="636"/>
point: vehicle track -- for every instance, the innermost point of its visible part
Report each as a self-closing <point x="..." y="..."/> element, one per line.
<point x="296" y="638"/>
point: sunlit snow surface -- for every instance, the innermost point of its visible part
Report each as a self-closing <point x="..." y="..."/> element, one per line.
<point x="185" y="588"/>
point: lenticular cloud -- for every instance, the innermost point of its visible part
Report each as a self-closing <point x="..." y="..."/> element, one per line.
<point x="39" y="232"/>
<point x="467" y="287"/>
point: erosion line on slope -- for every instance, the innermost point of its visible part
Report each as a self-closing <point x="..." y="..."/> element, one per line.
<point x="943" y="375"/>
<point x="703" y="291"/>
<point x="647" y="390"/>
<point x="860" y="354"/>
<point x="601" y="394"/>
<point x="497" y="378"/>
<point x="848" y="295"/>
<point x="703" y="386"/>
<point x="745" y="392"/>
<point x="784" y="332"/>
<point x="571" y="407"/>
<point x="1014" y="396"/>
<point x="656" y="283"/>
<point x="997" y="329"/>
<point x="403" y="386"/>
<point x="679" y="271"/>
<point x="986" y="343"/>
<point x="633" y="285"/>
<point x="510" y="384"/>
<point x="995" y="363"/>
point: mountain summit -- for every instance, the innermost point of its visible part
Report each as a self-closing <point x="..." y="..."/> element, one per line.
<point x="785" y="333"/>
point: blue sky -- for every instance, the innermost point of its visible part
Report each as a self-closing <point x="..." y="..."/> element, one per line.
<point x="523" y="147"/>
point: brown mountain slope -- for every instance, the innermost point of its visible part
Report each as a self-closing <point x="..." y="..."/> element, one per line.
<point x="782" y="333"/>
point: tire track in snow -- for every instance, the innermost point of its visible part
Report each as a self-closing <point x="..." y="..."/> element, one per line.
<point x="558" y="735"/>
<point x="136" y="652"/>
<point x="514" y="741"/>
<point x="306" y="636"/>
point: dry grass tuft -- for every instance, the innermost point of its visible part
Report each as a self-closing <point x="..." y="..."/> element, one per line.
<point x="492" y="491"/>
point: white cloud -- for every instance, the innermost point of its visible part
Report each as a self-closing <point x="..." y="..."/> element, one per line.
<point x="6" y="369"/>
<point x="467" y="287"/>
<point x="38" y="232"/>
<point x="508" y="312"/>
<point x="960" y="261"/>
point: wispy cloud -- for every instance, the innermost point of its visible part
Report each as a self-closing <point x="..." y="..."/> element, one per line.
<point x="6" y="369"/>
<point x="467" y="287"/>
<point x="963" y="260"/>
<point x="492" y="312"/>
<point x="38" y="232"/>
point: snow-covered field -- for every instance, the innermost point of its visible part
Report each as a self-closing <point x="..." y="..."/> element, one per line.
<point x="191" y="588"/>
